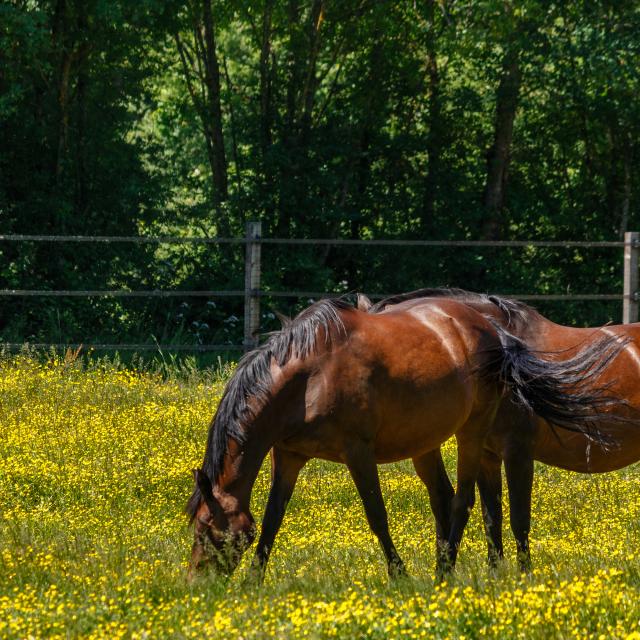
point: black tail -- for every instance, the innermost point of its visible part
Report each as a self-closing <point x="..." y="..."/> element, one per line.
<point x="566" y="393"/>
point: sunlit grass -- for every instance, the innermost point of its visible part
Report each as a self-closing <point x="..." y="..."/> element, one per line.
<point x="93" y="541"/>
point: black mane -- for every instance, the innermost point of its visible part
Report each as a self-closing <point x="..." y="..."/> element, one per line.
<point x="513" y="310"/>
<point x="252" y="379"/>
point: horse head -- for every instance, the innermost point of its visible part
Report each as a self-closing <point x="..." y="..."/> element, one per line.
<point x="246" y="425"/>
<point x="223" y="530"/>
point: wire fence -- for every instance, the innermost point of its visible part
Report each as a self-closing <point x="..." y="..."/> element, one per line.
<point x="264" y="293"/>
<point x="252" y="292"/>
<point x="587" y="244"/>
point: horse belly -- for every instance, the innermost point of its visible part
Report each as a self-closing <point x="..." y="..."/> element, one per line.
<point x="411" y="426"/>
<point x="403" y="420"/>
<point x="572" y="451"/>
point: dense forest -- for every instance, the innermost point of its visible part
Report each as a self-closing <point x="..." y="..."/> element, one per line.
<point x="435" y="119"/>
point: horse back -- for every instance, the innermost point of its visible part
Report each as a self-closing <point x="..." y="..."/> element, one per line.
<point x="405" y="379"/>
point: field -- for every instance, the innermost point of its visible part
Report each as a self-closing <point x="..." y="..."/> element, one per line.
<point x="95" y="470"/>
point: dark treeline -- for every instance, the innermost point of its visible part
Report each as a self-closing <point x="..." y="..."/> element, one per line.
<point x="449" y="119"/>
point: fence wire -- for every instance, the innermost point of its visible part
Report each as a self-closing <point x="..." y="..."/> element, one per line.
<point x="260" y="293"/>
<point x="320" y="241"/>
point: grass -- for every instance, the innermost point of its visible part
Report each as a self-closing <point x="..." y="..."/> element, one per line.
<point x="94" y="474"/>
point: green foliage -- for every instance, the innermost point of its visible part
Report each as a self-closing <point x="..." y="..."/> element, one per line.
<point x="354" y="120"/>
<point x="94" y="543"/>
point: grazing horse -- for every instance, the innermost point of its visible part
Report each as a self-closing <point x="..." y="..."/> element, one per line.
<point x="518" y="437"/>
<point x="347" y="386"/>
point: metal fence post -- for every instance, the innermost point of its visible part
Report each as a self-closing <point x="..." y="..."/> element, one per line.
<point x="630" y="303"/>
<point x="252" y="285"/>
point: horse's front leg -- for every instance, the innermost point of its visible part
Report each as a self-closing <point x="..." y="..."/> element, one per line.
<point x="360" y="459"/>
<point x="431" y="470"/>
<point x="285" y="467"/>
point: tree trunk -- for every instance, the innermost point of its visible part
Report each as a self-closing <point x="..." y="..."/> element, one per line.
<point x="266" y="112"/>
<point x="626" y="197"/>
<point x="293" y="63"/>
<point x="310" y="85"/>
<point x="301" y="93"/>
<point x="434" y="137"/>
<point x="499" y="153"/>
<point x="202" y="75"/>
<point x="265" y="80"/>
<point x="61" y="51"/>
<point x="214" y="116"/>
<point x="619" y="177"/>
<point x="234" y="138"/>
<point x="81" y="191"/>
<point x="289" y="166"/>
<point x="63" y="114"/>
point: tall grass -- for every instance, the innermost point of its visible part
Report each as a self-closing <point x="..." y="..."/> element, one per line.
<point x="94" y="473"/>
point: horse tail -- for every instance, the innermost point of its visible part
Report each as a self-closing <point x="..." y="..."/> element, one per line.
<point x="566" y="393"/>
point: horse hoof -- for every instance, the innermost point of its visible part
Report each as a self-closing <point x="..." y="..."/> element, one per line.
<point x="397" y="571"/>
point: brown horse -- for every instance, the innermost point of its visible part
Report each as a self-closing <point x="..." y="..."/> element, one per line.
<point x="347" y="386"/>
<point x="518" y="437"/>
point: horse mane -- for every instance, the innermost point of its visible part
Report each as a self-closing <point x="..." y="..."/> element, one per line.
<point x="513" y="310"/>
<point x="252" y="379"/>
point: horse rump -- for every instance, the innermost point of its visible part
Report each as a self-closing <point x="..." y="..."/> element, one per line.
<point x="566" y="393"/>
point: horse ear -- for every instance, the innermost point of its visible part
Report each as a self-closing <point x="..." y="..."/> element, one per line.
<point x="285" y="321"/>
<point x="363" y="304"/>
<point x="206" y="489"/>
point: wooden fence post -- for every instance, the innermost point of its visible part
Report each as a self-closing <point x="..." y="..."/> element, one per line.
<point x="630" y="303"/>
<point x="252" y="285"/>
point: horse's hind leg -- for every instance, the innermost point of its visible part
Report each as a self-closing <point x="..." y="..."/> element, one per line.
<point x="490" y="487"/>
<point x="285" y="467"/>
<point x="430" y="469"/>
<point x="470" y="448"/>
<point x="519" y="471"/>
<point x="360" y="460"/>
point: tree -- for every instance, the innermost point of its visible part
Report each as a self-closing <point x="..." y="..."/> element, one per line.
<point x="199" y="58"/>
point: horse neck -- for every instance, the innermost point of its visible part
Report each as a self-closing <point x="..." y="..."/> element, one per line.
<point x="271" y="423"/>
<point x="241" y="466"/>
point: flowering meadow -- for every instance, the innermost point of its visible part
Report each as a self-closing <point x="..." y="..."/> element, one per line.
<point x="94" y="474"/>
